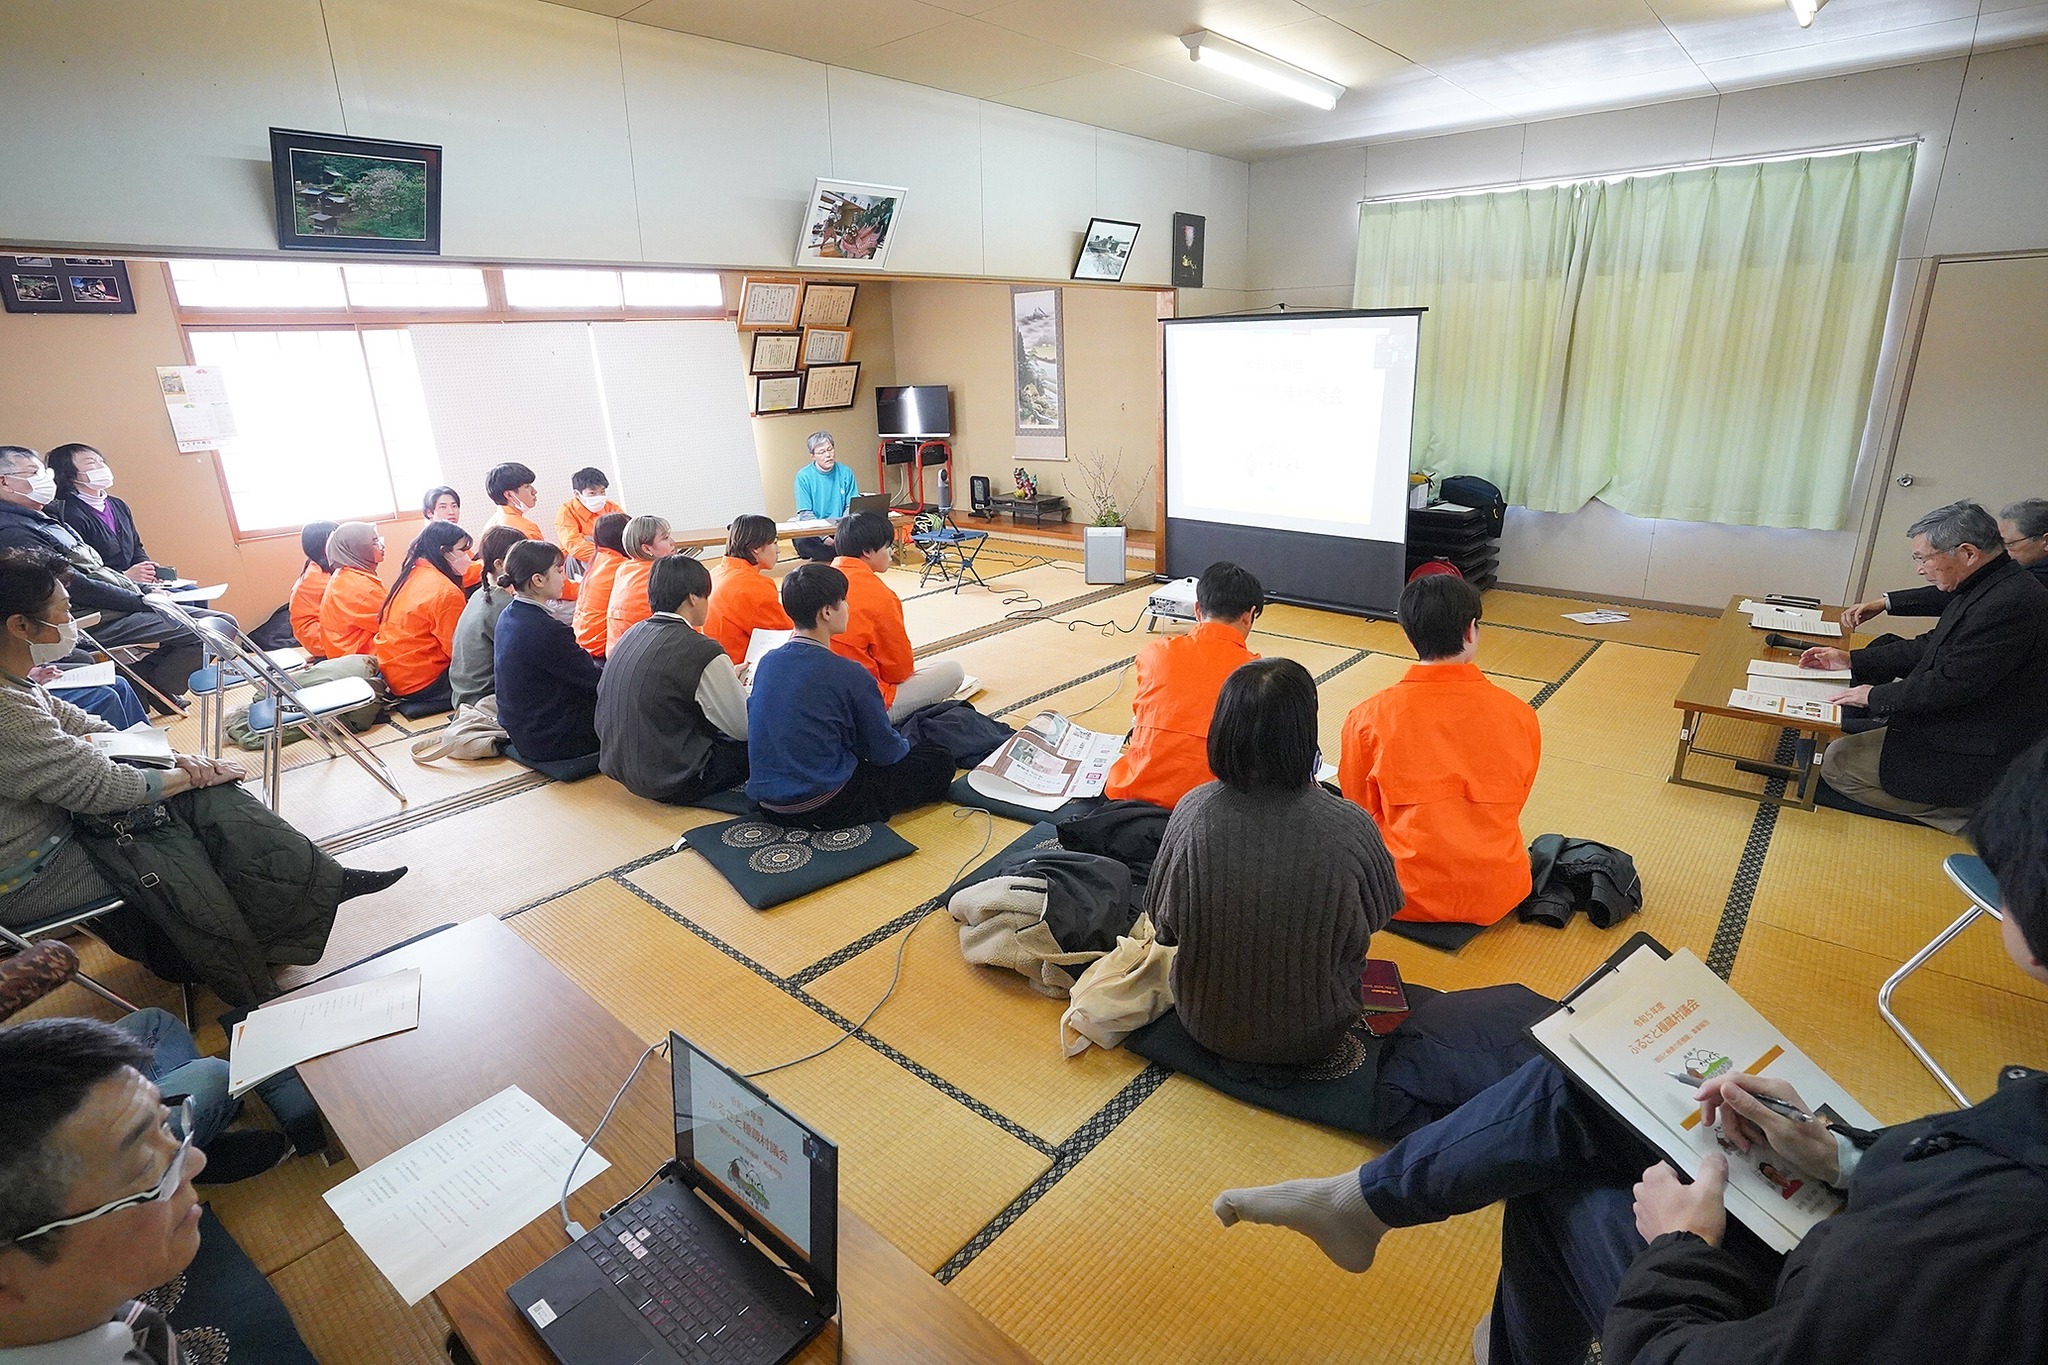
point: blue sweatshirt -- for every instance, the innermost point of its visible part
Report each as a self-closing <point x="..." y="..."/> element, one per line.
<point x="547" y="685"/>
<point x="825" y="495"/>
<point x="811" y="717"/>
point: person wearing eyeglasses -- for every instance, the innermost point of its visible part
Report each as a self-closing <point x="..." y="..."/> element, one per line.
<point x="2022" y="527"/>
<point x="1958" y="702"/>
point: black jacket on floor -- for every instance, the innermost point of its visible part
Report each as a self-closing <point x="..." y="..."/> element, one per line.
<point x="1960" y="701"/>
<point x="1941" y="1258"/>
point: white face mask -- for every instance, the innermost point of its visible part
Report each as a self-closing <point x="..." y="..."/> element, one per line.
<point x="594" y="501"/>
<point x="99" y="478"/>
<point x="66" y="642"/>
<point x="42" y="485"/>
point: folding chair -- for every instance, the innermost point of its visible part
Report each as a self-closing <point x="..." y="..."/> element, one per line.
<point x="136" y="680"/>
<point x="21" y="939"/>
<point x="211" y="683"/>
<point x="1974" y="880"/>
<point x="949" y="552"/>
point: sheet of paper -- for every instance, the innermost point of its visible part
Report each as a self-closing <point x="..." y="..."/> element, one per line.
<point x="968" y="687"/>
<point x="206" y="594"/>
<point x="1596" y="618"/>
<point x="278" y="1037"/>
<point x="1800" y="620"/>
<point x="1799" y="689"/>
<point x="1769" y="668"/>
<point x="1047" y="763"/>
<point x="196" y="396"/>
<point x="433" y="1206"/>
<point x="100" y="674"/>
<point x="143" y="748"/>
<point x="805" y="527"/>
<point x="1791" y="708"/>
<point x="761" y="641"/>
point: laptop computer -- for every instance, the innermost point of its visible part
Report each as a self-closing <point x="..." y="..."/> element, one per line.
<point x="678" y="1273"/>
<point x="869" y="502"/>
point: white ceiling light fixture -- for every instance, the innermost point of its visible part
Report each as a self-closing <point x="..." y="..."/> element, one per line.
<point x="1268" y="72"/>
<point x="1804" y="10"/>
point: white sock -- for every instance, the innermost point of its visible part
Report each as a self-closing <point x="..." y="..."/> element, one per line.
<point x="1331" y="1212"/>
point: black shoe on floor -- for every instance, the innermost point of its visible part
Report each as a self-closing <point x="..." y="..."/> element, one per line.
<point x="356" y="881"/>
<point x="237" y="1156"/>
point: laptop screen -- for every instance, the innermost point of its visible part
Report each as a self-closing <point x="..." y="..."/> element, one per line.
<point x="764" y="1165"/>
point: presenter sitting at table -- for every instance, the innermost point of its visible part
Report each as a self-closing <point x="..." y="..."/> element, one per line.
<point x="1443" y="761"/>
<point x="575" y="518"/>
<point x="824" y="489"/>
<point x="644" y="540"/>
<point x="1179" y="679"/>
<point x="743" y="597"/>
<point x="594" y="601"/>
<point x="354" y="597"/>
<point x="1936" y="1258"/>
<point x="547" y="685"/>
<point x="671" y="714"/>
<point x="2024" y="529"/>
<point x="1958" y="702"/>
<point x="821" y="751"/>
<point x="875" y="636"/>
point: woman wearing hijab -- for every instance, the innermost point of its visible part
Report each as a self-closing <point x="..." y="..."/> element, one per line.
<point x="354" y="596"/>
<point x="311" y="589"/>
<point x="101" y="520"/>
<point x="416" y="630"/>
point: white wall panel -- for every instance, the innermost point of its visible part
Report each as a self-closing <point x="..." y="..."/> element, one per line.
<point x="1144" y="182"/>
<point x="527" y="99"/>
<point x="676" y="394"/>
<point x="1304" y="220"/>
<point x="1703" y="564"/>
<point x="1595" y="550"/>
<point x="1037" y="192"/>
<point x="726" y="144"/>
<point x="928" y="141"/>
<point x="1489" y="156"/>
<point x="527" y="394"/>
<point x="1994" y="188"/>
<point x="1621" y="140"/>
<point x="118" y="131"/>
<point x="1218" y="189"/>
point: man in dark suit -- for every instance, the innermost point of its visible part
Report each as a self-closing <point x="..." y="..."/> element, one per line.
<point x="2023" y="527"/>
<point x="1957" y="702"/>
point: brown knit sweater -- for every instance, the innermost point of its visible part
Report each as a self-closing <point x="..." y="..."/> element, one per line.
<point x="1271" y="899"/>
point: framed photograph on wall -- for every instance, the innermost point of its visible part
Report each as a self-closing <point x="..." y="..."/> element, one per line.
<point x="65" y="284"/>
<point x="338" y="193"/>
<point x="849" y="225"/>
<point x="1188" y="232"/>
<point x="774" y="352"/>
<point x="770" y="301"/>
<point x="778" y="393"/>
<point x="827" y="345"/>
<point x="830" y="386"/>
<point x="828" y="303"/>
<point x="1105" y="250"/>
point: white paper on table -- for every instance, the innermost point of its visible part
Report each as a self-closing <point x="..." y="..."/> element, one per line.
<point x="1596" y="618"/>
<point x="805" y="526"/>
<point x="1804" y="620"/>
<point x="1791" y="708"/>
<point x="206" y="594"/>
<point x="1769" y="668"/>
<point x="100" y="674"/>
<point x="435" y="1205"/>
<point x="278" y="1037"/>
<point x="1799" y="689"/>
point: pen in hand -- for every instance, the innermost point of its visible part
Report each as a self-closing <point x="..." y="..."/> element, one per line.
<point x="1776" y="1106"/>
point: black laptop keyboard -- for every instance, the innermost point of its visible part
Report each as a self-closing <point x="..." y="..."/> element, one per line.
<point x="652" y="1253"/>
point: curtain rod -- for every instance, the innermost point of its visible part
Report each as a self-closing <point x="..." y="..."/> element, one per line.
<point x="1505" y="186"/>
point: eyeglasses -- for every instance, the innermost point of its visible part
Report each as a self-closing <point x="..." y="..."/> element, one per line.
<point x="1919" y="558"/>
<point x="177" y="1123"/>
<point x="2015" y="541"/>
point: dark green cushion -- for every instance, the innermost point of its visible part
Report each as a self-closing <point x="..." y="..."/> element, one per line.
<point x="769" y="863"/>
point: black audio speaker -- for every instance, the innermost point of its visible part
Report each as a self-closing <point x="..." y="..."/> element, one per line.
<point x="978" y="495"/>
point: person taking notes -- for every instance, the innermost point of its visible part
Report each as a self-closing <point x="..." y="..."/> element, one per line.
<point x="743" y="596"/>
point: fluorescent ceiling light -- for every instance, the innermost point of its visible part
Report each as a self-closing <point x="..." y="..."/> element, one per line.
<point x="1268" y="72"/>
<point x="1804" y="10"/>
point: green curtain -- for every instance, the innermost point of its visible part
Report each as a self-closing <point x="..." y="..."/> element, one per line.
<point x="1697" y="345"/>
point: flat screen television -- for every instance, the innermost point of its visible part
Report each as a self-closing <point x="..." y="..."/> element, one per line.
<point x="914" y="412"/>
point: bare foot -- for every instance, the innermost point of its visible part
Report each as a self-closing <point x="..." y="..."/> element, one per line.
<point x="1331" y="1212"/>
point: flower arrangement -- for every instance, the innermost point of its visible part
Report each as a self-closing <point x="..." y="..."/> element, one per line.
<point x="1099" y="477"/>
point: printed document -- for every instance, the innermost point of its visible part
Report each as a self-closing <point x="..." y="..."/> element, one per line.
<point x="435" y="1205"/>
<point x="278" y="1037"/>
<point x="100" y="674"/>
<point x="1768" y="668"/>
<point x="1791" y="708"/>
<point x="1047" y="764"/>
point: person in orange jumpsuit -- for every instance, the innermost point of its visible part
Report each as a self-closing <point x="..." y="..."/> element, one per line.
<point x="577" y="517"/>
<point x="607" y="552"/>
<point x="1179" y="679"/>
<point x="511" y="488"/>
<point x="311" y="588"/>
<point x="354" y="597"/>
<point x="875" y="636"/>
<point x="416" y="634"/>
<point x="644" y="540"/>
<point x="744" y="598"/>
<point x="1443" y="762"/>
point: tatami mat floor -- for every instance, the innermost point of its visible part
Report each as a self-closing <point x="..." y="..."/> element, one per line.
<point x="1068" y="1199"/>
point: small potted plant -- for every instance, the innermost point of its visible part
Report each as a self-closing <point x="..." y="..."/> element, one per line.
<point x="1103" y="538"/>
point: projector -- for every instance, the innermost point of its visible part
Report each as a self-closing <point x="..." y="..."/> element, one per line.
<point x="1173" y="601"/>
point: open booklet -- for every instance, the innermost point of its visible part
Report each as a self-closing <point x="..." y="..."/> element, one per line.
<point x="1048" y="763"/>
<point x="1647" y="1014"/>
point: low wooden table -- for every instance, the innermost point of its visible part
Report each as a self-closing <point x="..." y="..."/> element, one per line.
<point x="493" y="1013"/>
<point x="716" y="535"/>
<point x="1723" y="666"/>
<point x="1040" y="508"/>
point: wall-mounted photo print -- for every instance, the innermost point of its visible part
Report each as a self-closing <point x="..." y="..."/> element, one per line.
<point x="65" y="284"/>
<point x="1105" y="250"/>
<point x="355" y="194"/>
<point x="849" y="225"/>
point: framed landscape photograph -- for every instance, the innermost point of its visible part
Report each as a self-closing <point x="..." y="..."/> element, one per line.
<point x="828" y="304"/>
<point x="1105" y="250"/>
<point x="774" y="352"/>
<point x="826" y="345"/>
<point x="778" y="393"/>
<point x="830" y="386"/>
<point x="849" y="225"/>
<point x="770" y="300"/>
<point x="355" y="194"/>
<point x="65" y="284"/>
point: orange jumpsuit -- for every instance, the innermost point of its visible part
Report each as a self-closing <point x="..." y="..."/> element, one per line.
<point x="628" y="605"/>
<point x="743" y="600"/>
<point x="306" y="595"/>
<point x="875" y="637"/>
<point x="526" y="526"/>
<point x="348" y="611"/>
<point x="1443" y="762"/>
<point x="1179" y="679"/>
<point x="573" y="525"/>
<point x="417" y="638"/>
<point x="596" y="601"/>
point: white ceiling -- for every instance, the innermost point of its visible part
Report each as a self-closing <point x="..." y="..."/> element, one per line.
<point x="1412" y="66"/>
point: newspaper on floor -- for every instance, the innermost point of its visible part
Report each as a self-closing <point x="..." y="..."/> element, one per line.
<point x="1048" y="763"/>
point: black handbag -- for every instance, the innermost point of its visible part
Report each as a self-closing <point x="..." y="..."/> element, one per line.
<point x="123" y="825"/>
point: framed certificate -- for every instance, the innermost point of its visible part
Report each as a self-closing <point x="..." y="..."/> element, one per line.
<point x="827" y="303"/>
<point x="778" y="393"/>
<point x="826" y="346"/>
<point x="770" y="300"/>
<point x="774" y="353"/>
<point x="830" y="386"/>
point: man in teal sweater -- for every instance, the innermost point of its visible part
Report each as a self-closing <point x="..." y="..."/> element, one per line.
<point x="824" y="490"/>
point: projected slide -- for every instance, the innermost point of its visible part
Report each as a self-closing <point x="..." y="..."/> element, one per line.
<point x="1292" y="423"/>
